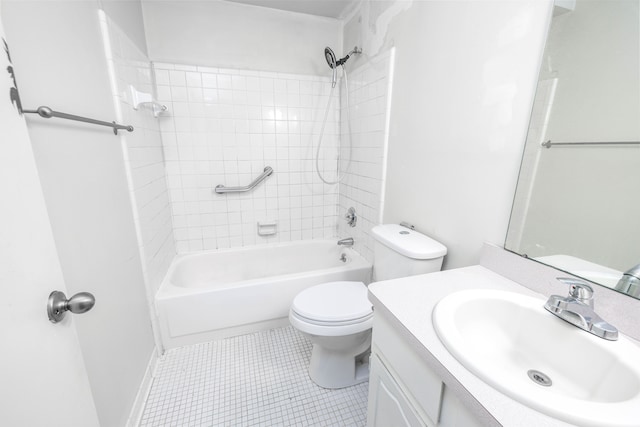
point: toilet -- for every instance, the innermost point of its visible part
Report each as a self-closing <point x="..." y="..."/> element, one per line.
<point x="337" y="316"/>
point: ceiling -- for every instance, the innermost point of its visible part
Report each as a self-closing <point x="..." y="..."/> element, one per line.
<point x="328" y="8"/>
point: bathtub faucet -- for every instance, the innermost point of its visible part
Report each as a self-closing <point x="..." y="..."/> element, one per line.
<point x="346" y="242"/>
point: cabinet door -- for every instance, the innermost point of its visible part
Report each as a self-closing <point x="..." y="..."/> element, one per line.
<point x="454" y="413"/>
<point x="388" y="407"/>
<point x="422" y="386"/>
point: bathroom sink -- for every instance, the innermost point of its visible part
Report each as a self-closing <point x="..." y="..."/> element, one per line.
<point x="512" y="343"/>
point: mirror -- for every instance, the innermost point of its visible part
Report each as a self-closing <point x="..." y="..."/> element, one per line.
<point x="577" y="203"/>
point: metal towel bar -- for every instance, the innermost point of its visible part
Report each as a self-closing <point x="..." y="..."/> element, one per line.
<point x="47" y="113"/>
<point x="549" y="144"/>
<point x="222" y="189"/>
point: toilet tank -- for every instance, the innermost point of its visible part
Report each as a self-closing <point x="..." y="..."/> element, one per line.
<point x="401" y="252"/>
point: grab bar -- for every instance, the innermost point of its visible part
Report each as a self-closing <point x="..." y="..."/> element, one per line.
<point x="549" y="144"/>
<point x="47" y="113"/>
<point x="222" y="189"/>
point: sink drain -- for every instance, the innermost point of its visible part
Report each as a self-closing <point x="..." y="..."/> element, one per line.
<point x="539" y="378"/>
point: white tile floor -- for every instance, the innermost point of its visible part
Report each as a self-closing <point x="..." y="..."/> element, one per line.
<point x="253" y="380"/>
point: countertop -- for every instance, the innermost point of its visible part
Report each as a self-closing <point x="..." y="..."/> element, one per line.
<point x="408" y="303"/>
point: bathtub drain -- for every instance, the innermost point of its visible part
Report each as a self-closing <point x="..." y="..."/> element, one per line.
<point x="539" y="378"/>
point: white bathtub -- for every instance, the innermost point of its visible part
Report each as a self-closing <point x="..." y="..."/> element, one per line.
<point x="215" y="294"/>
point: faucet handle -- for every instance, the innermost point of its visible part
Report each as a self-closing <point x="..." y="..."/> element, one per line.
<point x="351" y="217"/>
<point x="579" y="289"/>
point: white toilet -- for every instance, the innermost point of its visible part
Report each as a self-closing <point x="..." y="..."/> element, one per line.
<point x="337" y="316"/>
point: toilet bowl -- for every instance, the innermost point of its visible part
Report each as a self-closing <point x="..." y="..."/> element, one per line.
<point x="337" y="316"/>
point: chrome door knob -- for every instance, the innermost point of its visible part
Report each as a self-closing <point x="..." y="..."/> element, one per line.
<point x="58" y="304"/>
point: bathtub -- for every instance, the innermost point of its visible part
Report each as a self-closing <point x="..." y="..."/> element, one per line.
<point x="216" y="294"/>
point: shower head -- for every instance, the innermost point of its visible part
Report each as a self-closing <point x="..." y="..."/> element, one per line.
<point x="330" y="57"/>
<point x="331" y="60"/>
<point x="334" y="62"/>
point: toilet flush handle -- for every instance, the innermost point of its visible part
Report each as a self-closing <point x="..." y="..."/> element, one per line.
<point x="58" y="304"/>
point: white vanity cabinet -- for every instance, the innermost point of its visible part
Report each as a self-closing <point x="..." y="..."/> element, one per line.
<point x="388" y="405"/>
<point x="404" y="390"/>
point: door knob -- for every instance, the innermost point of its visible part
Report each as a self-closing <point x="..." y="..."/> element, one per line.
<point x="58" y="304"/>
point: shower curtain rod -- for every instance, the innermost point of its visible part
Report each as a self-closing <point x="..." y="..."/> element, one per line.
<point x="47" y="113"/>
<point x="549" y="144"/>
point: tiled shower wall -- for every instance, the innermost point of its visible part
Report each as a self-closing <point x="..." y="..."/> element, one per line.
<point x="224" y="127"/>
<point x="143" y="154"/>
<point x="363" y="184"/>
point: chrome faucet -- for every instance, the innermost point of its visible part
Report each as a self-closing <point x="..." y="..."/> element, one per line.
<point x="346" y="242"/>
<point x="629" y="283"/>
<point x="577" y="309"/>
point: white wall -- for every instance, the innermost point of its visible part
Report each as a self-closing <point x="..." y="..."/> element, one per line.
<point x="60" y="62"/>
<point x="130" y="70"/>
<point x="128" y="14"/>
<point x="230" y="35"/>
<point x="224" y="127"/>
<point x="464" y="80"/>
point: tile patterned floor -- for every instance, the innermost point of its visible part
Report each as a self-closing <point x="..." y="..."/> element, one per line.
<point x="252" y="380"/>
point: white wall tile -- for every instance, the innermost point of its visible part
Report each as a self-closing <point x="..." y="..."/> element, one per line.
<point x="248" y="121"/>
<point x="145" y="154"/>
<point x="362" y="186"/>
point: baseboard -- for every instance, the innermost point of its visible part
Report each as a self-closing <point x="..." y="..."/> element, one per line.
<point x="218" y="334"/>
<point x="143" y="392"/>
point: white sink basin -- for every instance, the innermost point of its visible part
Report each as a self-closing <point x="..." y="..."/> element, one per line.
<point x="501" y="336"/>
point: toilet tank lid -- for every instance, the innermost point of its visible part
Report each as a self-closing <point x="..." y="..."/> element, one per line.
<point x="407" y="242"/>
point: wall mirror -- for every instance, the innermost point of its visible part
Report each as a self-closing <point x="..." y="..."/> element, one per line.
<point x="577" y="203"/>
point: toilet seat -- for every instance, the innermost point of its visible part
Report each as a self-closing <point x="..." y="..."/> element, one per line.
<point x="333" y="302"/>
<point x="339" y="323"/>
<point x="329" y="330"/>
<point x="332" y="309"/>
